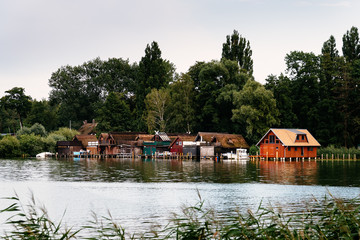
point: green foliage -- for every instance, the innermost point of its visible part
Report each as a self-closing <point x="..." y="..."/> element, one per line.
<point x="182" y="105"/>
<point x="338" y="151"/>
<point x="256" y="109"/>
<point x="36" y="129"/>
<point x="157" y="102"/>
<point x="9" y="147"/>
<point x="237" y="48"/>
<point x="254" y="150"/>
<point x="115" y="114"/>
<point x="32" y="222"/>
<point x="31" y="144"/>
<point x="51" y="140"/>
<point x="330" y="218"/>
<point x="81" y="89"/>
<point x="67" y="133"/>
<point x="43" y="113"/>
<point x="154" y="73"/>
<point x="16" y="99"/>
<point x="23" y="131"/>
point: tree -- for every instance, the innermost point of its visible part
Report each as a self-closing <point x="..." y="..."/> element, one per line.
<point x="182" y="105"/>
<point x="281" y="89"/>
<point x="330" y="121"/>
<point x="351" y="45"/>
<point x="256" y="109"/>
<point x="157" y="102"/>
<point x="154" y="73"/>
<point x="304" y="74"/>
<point x="81" y="90"/>
<point x="237" y="48"/>
<point x="17" y="100"/>
<point x="43" y="113"/>
<point x="115" y="114"/>
<point x="212" y="77"/>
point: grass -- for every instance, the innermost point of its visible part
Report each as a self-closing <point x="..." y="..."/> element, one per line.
<point x="330" y="218"/>
<point x="338" y="152"/>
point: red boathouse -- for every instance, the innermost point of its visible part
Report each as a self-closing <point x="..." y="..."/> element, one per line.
<point x="288" y="143"/>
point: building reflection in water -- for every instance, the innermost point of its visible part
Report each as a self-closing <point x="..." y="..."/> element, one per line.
<point x="294" y="173"/>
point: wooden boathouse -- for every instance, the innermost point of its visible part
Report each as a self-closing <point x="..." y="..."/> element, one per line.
<point x="287" y="144"/>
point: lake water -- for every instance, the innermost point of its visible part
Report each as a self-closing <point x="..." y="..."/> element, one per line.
<point x="142" y="193"/>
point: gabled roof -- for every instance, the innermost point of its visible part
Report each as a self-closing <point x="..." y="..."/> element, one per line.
<point x="87" y="128"/>
<point x="163" y="136"/>
<point x="225" y="140"/>
<point x="85" y="139"/>
<point x="288" y="137"/>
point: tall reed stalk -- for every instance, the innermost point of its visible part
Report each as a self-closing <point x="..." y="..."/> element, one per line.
<point x="330" y="218"/>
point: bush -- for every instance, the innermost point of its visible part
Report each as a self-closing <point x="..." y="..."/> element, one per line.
<point x="23" y="131"/>
<point x="9" y="147"/>
<point x="31" y="144"/>
<point x="38" y="129"/>
<point x="50" y="141"/>
<point x="253" y="150"/>
<point x="68" y="133"/>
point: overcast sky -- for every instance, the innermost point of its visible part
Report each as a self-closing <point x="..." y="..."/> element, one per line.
<point x="39" y="36"/>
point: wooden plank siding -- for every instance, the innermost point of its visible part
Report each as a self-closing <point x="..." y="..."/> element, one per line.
<point x="288" y="143"/>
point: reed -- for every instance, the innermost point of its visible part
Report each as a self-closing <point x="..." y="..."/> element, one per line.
<point x="329" y="218"/>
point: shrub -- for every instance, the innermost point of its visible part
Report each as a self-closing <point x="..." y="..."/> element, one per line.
<point x="68" y="133"/>
<point x="38" y="129"/>
<point x="31" y="144"/>
<point x="50" y="141"/>
<point x="9" y="147"/>
<point x="253" y="150"/>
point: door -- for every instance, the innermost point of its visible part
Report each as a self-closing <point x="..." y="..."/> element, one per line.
<point x="302" y="151"/>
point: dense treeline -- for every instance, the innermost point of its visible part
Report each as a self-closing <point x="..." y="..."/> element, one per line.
<point x="317" y="92"/>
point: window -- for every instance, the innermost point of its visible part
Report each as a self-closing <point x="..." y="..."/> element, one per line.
<point x="272" y="139"/>
<point x="310" y="149"/>
<point x="289" y="149"/>
<point x="302" y="137"/>
<point x="297" y="137"/>
<point x="277" y="141"/>
<point x="295" y="148"/>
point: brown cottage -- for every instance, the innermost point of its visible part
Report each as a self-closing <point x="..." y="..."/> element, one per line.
<point x="218" y="143"/>
<point x="288" y="143"/>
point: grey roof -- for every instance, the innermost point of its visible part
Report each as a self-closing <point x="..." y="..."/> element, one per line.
<point x="164" y="136"/>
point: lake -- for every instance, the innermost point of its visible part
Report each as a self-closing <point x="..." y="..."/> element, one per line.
<point x="141" y="193"/>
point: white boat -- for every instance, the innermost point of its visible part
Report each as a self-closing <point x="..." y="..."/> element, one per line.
<point x="241" y="154"/>
<point x="44" y="155"/>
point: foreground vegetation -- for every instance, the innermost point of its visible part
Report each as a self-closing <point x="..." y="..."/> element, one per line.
<point x="330" y="218"/>
<point x="33" y="140"/>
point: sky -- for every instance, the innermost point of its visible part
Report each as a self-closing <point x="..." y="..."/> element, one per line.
<point x="37" y="37"/>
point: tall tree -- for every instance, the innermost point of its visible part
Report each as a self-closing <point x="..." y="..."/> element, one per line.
<point x="281" y="88"/>
<point x="154" y="73"/>
<point x="16" y="99"/>
<point x="115" y="114"/>
<point x="81" y="90"/>
<point x="157" y="102"/>
<point x="304" y="73"/>
<point x="237" y="48"/>
<point x="256" y="109"/>
<point x="349" y="87"/>
<point x="182" y="105"/>
<point x="43" y="113"/>
<point x="351" y="45"/>
<point x="330" y="125"/>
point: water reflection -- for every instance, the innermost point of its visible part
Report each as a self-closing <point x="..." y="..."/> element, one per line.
<point x="325" y="173"/>
<point x="139" y="193"/>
